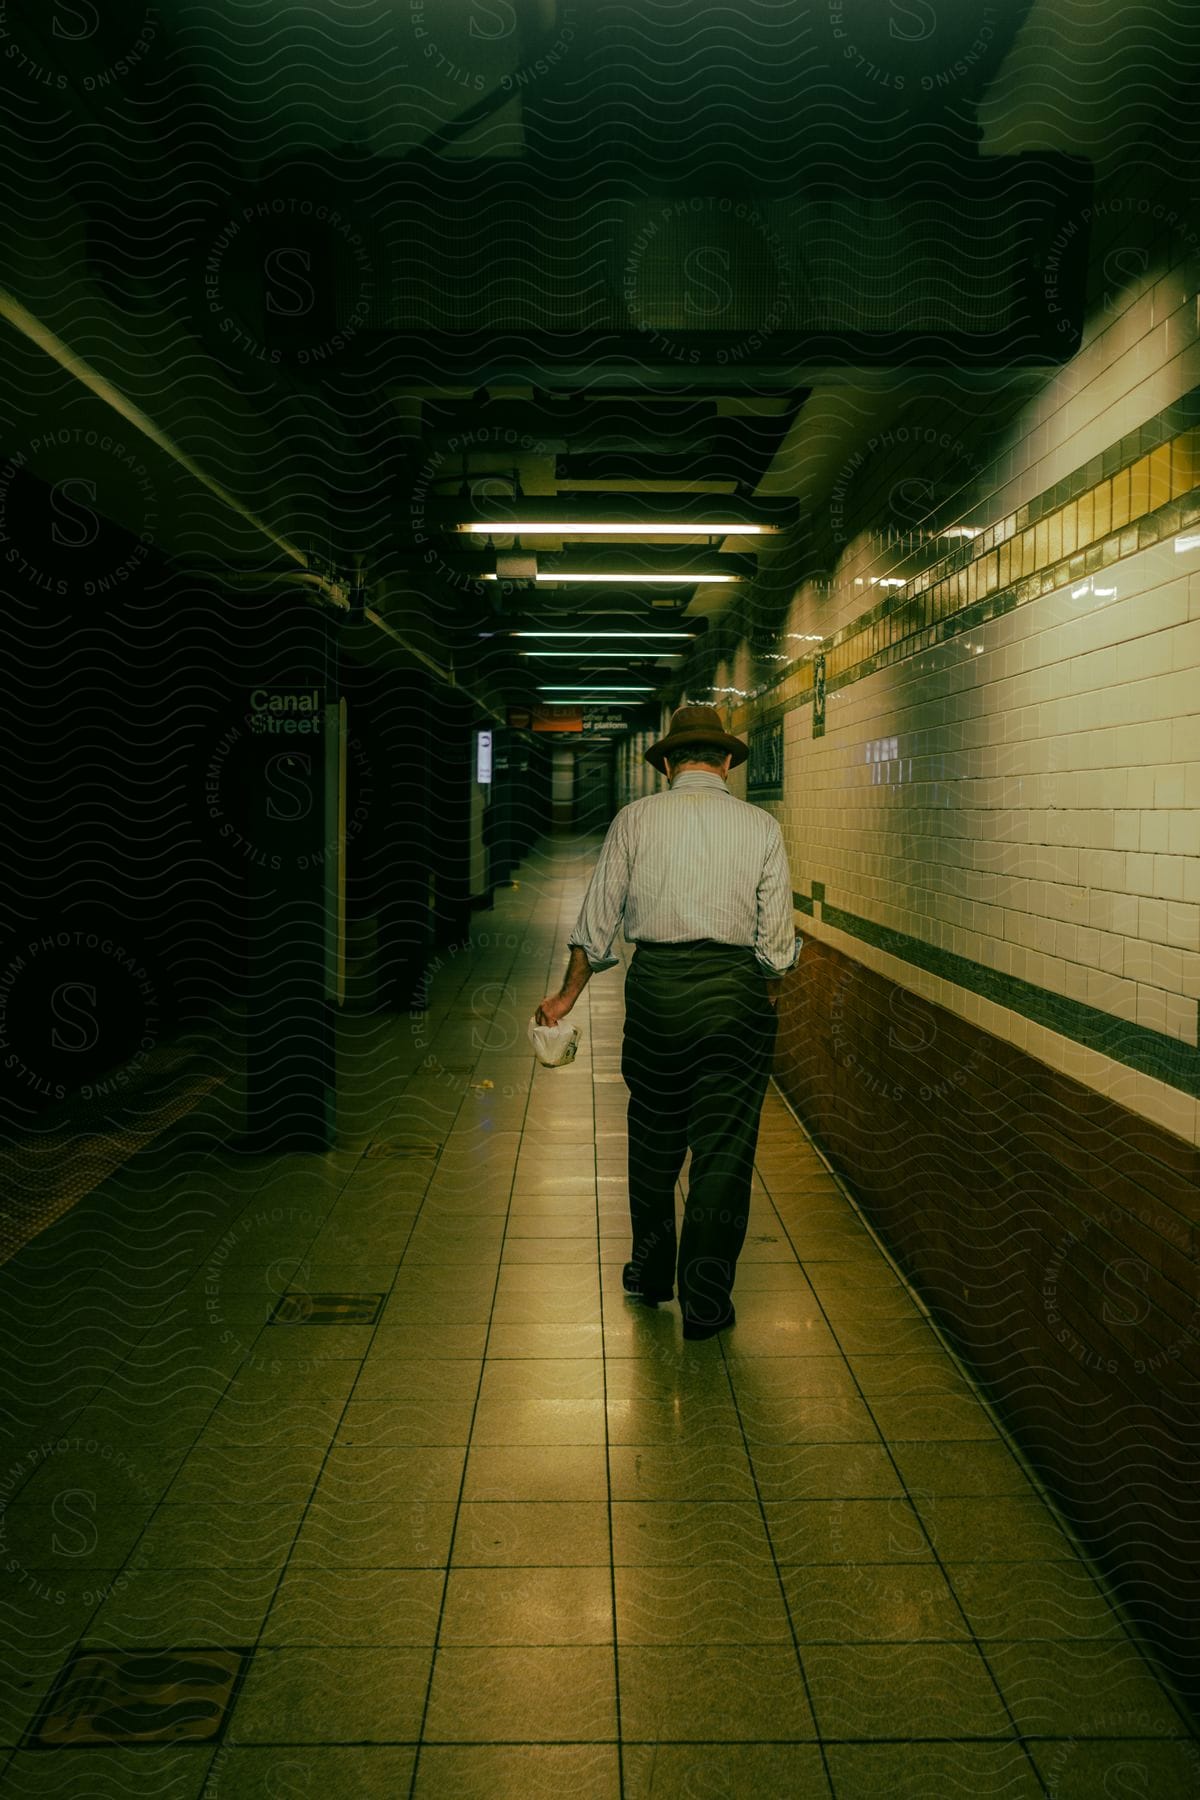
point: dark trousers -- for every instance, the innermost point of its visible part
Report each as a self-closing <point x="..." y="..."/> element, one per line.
<point x="696" y="1058"/>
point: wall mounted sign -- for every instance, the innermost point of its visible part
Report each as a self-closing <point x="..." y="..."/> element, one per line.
<point x="483" y="756"/>
<point x="764" y="768"/>
<point x="818" y="708"/>
<point x="285" y="712"/>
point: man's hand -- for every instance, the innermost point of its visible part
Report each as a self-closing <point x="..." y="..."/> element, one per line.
<point x="556" y="1006"/>
<point x="553" y="1008"/>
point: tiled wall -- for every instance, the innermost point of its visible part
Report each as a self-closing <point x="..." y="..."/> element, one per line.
<point x="1004" y="804"/>
<point x="1014" y="814"/>
<point x="991" y="805"/>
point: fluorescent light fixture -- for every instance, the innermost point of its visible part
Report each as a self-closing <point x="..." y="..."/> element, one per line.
<point x="573" y="687"/>
<point x="607" y="528"/>
<point x="658" y="565"/>
<point x="680" y="580"/>
<point x="640" y="512"/>
<point x="576" y="654"/>
<point x="603" y="634"/>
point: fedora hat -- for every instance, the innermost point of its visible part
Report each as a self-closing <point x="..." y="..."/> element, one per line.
<point x="695" y="725"/>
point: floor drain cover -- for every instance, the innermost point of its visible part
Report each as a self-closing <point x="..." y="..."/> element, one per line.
<point x="140" y="1697"/>
<point x="327" y="1309"/>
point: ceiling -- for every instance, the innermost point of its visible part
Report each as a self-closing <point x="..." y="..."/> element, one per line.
<point x="377" y="267"/>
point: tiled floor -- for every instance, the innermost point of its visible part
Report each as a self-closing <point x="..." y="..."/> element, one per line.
<point x="514" y="1538"/>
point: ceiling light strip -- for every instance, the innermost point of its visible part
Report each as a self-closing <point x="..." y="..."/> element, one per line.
<point x="606" y="528"/>
<point x="582" y="652"/>
<point x="683" y="579"/>
<point x="604" y="634"/>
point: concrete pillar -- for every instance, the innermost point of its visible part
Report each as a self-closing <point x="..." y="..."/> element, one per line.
<point x="479" y="876"/>
<point x="295" y="798"/>
<point x="401" y="877"/>
<point x="562" y="790"/>
<point x="455" y="817"/>
<point x="515" y="816"/>
<point x="594" y="771"/>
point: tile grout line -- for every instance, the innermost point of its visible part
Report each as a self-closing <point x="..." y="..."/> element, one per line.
<point x="462" y="1480"/>
<point x="808" y="1695"/>
<point x="612" y="1563"/>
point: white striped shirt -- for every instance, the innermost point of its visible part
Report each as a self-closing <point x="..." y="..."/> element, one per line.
<point x="692" y="861"/>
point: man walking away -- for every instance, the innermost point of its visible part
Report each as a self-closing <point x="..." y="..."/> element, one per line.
<point x="701" y="881"/>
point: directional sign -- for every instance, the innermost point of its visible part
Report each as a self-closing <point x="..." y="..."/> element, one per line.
<point x="604" y="722"/>
<point x="557" y="718"/>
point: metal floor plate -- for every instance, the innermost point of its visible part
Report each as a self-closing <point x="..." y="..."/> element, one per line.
<point x="109" y="1697"/>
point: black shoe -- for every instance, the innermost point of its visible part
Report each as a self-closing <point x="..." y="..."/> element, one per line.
<point x="632" y="1285"/>
<point x="694" y="1329"/>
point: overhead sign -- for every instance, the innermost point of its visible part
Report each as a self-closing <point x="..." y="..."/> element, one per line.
<point x="605" y="722"/>
<point x="557" y="718"/>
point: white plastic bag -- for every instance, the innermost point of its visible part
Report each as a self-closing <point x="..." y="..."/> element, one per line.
<point x="554" y="1045"/>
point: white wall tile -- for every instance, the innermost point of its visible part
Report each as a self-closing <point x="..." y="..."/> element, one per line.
<point x="1041" y="813"/>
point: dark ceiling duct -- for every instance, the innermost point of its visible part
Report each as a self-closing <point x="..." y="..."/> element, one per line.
<point x="984" y="268"/>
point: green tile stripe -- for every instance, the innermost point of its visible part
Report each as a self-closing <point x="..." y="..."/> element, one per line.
<point x="1167" y="1059"/>
<point x="1148" y="528"/>
<point x="1173" y="422"/>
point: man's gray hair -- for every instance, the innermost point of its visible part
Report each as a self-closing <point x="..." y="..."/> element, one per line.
<point x="711" y="754"/>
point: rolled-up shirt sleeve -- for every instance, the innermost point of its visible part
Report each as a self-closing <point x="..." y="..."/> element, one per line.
<point x="777" y="944"/>
<point x="604" y="903"/>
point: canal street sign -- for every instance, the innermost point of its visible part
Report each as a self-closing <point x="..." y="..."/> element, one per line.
<point x="285" y="712"/>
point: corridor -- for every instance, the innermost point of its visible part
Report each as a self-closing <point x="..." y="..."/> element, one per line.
<point x="393" y="1492"/>
<point x="430" y="431"/>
